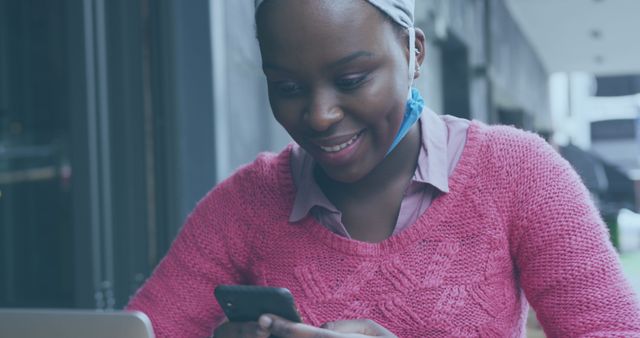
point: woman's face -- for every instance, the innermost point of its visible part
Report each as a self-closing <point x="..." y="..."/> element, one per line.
<point x="337" y="74"/>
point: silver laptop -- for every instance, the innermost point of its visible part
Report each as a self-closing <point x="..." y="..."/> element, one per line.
<point x="32" y="323"/>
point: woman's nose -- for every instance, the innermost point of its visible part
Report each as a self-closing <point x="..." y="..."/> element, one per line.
<point x="323" y="112"/>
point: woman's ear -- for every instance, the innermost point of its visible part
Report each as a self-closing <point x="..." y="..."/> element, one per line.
<point x="421" y="51"/>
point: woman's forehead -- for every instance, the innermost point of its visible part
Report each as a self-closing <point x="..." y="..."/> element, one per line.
<point x="399" y="11"/>
<point x="301" y="22"/>
<point x="316" y="13"/>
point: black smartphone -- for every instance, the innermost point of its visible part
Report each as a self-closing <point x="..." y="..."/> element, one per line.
<point x="246" y="303"/>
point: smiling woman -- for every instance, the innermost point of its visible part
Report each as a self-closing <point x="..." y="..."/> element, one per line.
<point x="340" y="96"/>
<point x="384" y="218"/>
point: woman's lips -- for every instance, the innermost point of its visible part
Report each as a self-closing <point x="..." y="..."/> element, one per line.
<point x="336" y="154"/>
<point x="338" y="147"/>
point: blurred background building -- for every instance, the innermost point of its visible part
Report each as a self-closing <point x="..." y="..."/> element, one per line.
<point x="117" y="116"/>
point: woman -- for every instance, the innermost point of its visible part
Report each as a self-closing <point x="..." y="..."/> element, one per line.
<point x="382" y="224"/>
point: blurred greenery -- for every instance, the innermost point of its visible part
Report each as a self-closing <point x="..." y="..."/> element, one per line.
<point x="631" y="267"/>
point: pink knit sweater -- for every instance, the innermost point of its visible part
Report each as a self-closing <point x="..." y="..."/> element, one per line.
<point x="517" y="222"/>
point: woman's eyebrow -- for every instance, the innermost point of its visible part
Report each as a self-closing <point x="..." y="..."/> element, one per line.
<point x="334" y="64"/>
<point x="351" y="57"/>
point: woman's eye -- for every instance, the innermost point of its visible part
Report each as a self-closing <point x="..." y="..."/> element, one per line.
<point x="351" y="82"/>
<point x="288" y="88"/>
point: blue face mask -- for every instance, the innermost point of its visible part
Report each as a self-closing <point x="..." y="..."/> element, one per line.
<point x="415" y="104"/>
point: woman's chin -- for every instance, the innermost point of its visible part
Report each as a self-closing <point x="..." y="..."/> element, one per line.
<point x="344" y="175"/>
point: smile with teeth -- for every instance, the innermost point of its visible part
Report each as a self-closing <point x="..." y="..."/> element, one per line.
<point x="336" y="148"/>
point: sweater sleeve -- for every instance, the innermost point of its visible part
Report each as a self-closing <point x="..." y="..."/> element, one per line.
<point x="568" y="268"/>
<point x="210" y="249"/>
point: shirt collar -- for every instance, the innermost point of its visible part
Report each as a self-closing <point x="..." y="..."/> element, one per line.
<point x="433" y="163"/>
<point x="308" y="192"/>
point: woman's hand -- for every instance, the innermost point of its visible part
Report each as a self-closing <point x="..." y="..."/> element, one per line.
<point x="360" y="328"/>
<point x="282" y="328"/>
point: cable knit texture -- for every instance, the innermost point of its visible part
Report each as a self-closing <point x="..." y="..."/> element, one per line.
<point x="517" y="221"/>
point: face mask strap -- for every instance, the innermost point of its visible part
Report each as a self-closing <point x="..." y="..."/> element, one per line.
<point x="415" y="103"/>
<point x="412" y="55"/>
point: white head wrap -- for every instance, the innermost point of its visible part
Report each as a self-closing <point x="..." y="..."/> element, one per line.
<point x="400" y="11"/>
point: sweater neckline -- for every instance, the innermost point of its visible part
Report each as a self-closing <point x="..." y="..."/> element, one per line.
<point x="435" y="214"/>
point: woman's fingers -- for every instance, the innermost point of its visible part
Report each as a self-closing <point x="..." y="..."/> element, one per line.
<point x="286" y="329"/>
<point x="340" y="329"/>
<point x="365" y="327"/>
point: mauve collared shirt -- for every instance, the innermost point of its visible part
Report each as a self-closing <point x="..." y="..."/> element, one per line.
<point x="443" y="139"/>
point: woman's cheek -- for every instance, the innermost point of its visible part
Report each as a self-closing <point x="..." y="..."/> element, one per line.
<point x="383" y="95"/>
<point x="287" y="117"/>
<point x="381" y="108"/>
